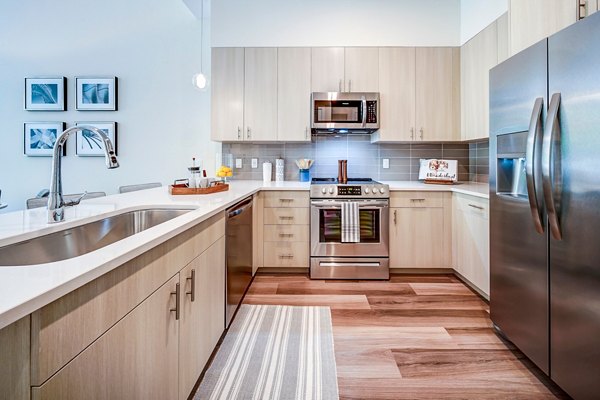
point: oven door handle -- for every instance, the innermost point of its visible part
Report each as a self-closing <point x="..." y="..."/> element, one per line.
<point x="338" y="204"/>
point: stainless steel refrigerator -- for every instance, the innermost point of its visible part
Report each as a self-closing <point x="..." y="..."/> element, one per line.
<point x="545" y="205"/>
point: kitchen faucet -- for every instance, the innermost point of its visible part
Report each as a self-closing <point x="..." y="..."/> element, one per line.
<point x="56" y="202"/>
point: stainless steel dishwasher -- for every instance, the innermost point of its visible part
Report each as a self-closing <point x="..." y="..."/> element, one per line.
<point x="239" y="255"/>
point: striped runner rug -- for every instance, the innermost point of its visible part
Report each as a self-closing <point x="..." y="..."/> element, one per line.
<point x="274" y="352"/>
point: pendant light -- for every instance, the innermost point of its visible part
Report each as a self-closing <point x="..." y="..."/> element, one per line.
<point x="199" y="80"/>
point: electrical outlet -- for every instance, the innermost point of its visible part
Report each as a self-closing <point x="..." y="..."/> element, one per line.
<point x="255" y="163"/>
<point x="386" y="163"/>
<point x="238" y="163"/>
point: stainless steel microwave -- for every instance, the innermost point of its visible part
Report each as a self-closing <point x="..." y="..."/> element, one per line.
<point x="344" y="112"/>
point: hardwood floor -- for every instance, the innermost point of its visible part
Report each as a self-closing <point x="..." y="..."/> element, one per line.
<point x="414" y="337"/>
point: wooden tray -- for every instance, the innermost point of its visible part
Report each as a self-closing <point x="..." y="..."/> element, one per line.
<point x="438" y="182"/>
<point x="182" y="189"/>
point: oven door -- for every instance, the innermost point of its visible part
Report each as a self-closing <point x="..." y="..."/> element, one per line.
<point x="326" y="229"/>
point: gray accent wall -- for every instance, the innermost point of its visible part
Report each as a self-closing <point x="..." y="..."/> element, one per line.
<point x="364" y="158"/>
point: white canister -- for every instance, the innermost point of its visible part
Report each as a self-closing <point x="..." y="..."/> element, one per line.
<point x="279" y="171"/>
<point x="267" y="171"/>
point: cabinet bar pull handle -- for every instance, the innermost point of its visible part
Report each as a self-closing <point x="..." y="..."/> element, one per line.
<point x="285" y="217"/>
<point x="417" y="200"/>
<point x="477" y="207"/>
<point x="248" y="133"/>
<point x="192" y="291"/>
<point x="286" y="235"/>
<point x="239" y="133"/>
<point x="412" y="133"/>
<point x="177" y="302"/>
<point x="286" y="200"/>
<point x="421" y="133"/>
<point x="349" y="85"/>
<point x="395" y="217"/>
<point x="286" y="256"/>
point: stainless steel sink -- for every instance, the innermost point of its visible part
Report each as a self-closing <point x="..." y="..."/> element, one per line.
<point x="84" y="239"/>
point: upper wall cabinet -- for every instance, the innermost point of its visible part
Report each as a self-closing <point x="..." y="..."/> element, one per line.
<point x="420" y="94"/>
<point x="293" y="94"/>
<point x="328" y="69"/>
<point x="503" y="41"/>
<point x="397" y="79"/>
<point x="479" y="55"/>
<point x="533" y="20"/>
<point x="438" y="93"/>
<point x="227" y="90"/>
<point x="351" y="69"/>
<point x="260" y="94"/>
<point x="361" y="69"/>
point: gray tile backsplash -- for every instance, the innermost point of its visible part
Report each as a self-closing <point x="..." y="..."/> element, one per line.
<point x="479" y="161"/>
<point x="364" y="158"/>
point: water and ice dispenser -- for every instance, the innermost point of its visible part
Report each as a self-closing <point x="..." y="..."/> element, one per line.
<point x="510" y="168"/>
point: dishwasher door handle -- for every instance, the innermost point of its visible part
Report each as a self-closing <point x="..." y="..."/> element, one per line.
<point x="240" y="209"/>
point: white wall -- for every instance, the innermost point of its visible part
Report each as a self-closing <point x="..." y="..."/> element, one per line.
<point x="475" y="15"/>
<point x="269" y="23"/>
<point x="153" y="46"/>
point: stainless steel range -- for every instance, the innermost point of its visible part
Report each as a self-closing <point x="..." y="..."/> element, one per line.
<point x="367" y="257"/>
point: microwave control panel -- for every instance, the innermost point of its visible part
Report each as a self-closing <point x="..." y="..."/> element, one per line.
<point x="371" y="112"/>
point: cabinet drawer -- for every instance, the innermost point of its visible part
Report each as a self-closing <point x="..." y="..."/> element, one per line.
<point x="286" y="216"/>
<point x="417" y="199"/>
<point x="286" y="254"/>
<point x="286" y="199"/>
<point x="286" y="233"/>
<point x="472" y="204"/>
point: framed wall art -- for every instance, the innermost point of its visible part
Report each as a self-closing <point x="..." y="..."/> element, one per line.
<point x="46" y="94"/>
<point x="89" y="144"/>
<point x="39" y="138"/>
<point x="96" y="93"/>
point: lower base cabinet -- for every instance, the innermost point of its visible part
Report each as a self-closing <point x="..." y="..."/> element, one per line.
<point x="202" y="320"/>
<point x="471" y="240"/>
<point x="135" y="359"/>
<point x="159" y="347"/>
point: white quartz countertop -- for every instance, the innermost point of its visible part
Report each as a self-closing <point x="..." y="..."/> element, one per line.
<point x="24" y="289"/>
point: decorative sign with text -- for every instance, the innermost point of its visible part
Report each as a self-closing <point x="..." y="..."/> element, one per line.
<point x="438" y="171"/>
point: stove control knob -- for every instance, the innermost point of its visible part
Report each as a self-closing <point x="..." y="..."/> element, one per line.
<point x="324" y="190"/>
<point x="330" y="190"/>
<point x="367" y="190"/>
<point x="381" y="190"/>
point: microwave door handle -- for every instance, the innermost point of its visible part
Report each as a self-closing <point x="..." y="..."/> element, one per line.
<point x="531" y="166"/>
<point x="364" y="111"/>
<point x="551" y="172"/>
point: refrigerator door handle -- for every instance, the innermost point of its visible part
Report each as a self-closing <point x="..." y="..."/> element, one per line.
<point x="531" y="166"/>
<point x="551" y="172"/>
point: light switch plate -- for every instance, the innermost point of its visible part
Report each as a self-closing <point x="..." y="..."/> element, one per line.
<point x="238" y="163"/>
<point x="255" y="163"/>
<point x="386" y="163"/>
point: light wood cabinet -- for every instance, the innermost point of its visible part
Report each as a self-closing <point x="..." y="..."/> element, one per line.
<point x="202" y="319"/>
<point x="420" y="94"/>
<point x="327" y="69"/>
<point x="260" y="94"/>
<point x="361" y="69"/>
<point x="420" y="230"/>
<point x="135" y="359"/>
<point x="227" y="94"/>
<point x="479" y="55"/>
<point x="503" y="42"/>
<point x="533" y="20"/>
<point x="397" y="92"/>
<point x="437" y="93"/>
<point x="592" y="6"/>
<point x="14" y="367"/>
<point x="471" y="240"/>
<point x="284" y="233"/>
<point x="293" y="94"/>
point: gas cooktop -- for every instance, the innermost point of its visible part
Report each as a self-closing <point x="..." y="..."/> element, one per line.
<point x="330" y="188"/>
